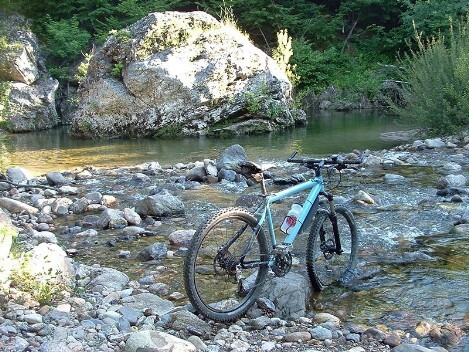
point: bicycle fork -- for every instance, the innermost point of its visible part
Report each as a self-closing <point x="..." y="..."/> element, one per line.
<point x="333" y="218"/>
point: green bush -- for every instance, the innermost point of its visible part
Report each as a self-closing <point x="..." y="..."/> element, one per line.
<point x="437" y="84"/>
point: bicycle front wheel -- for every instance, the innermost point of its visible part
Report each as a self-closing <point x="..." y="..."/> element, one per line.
<point x="226" y="265"/>
<point x="324" y="262"/>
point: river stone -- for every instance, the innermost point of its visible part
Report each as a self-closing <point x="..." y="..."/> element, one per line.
<point x="15" y="206"/>
<point x="452" y="167"/>
<point x="363" y="198"/>
<point x="112" y="219"/>
<point x="6" y="237"/>
<point x="320" y="333"/>
<point x="132" y="217"/>
<point x="161" y="204"/>
<point x="79" y="206"/>
<point x="409" y="347"/>
<point x="94" y="197"/>
<point x="289" y="294"/>
<point x="197" y="174"/>
<point x="60" y="205"/>
<point x="182" y="320"/>
<point x="181" y="237"/>
<point x="107" y="279"/>
<point x="56" y="179"/>
<point x="434" y="143"/>
<point x="44" y="236"/>
<point x="231" y="158"/>
<point x="18" y="175"/>
<point x="156" y="341"/>
<point x="393" y="178"/>
<point x="320" y="318"/>
<point x="210" y="167"/>
<point x="153" y="251"/>
<point x="49" y="263"/>
<point x="297" y="336"/>
<point x="456" y="180"/>
<point x="228" y="175"/>
<point x="143" y="301"/>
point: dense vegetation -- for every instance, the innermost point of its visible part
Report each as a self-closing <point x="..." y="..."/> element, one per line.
<point x="348" y="44"/>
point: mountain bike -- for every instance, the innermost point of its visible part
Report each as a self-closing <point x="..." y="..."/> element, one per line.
<point x="230" y="256"/>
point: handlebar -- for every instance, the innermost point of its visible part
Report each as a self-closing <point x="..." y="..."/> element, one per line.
<point x="315" y="163"/>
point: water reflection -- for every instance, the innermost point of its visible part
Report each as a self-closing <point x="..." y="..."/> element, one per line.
<point x="326" y="133"/>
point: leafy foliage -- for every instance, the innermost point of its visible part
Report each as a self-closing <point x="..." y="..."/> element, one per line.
<point x="437" y="92"/>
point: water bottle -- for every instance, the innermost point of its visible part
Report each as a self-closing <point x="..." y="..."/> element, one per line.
<point x="291" y="219"/>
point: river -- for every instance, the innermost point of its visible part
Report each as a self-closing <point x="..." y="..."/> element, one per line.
<point x="328" y="132"/>
<point x="399" y="294"/>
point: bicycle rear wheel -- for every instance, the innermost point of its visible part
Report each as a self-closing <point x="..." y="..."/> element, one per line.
<point x="226" y="265"/>
<point x="324" y="265"/>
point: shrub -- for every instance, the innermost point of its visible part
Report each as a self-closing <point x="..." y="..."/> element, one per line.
<point x="437" y="89"/>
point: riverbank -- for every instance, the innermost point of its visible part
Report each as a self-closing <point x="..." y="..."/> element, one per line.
<point x="99" y="217"/>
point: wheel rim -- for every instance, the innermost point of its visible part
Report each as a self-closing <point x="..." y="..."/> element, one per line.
<point x="221" y="284"/>
<point x="328" y="265"/>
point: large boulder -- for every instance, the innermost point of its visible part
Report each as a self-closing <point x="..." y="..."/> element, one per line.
<point x="177" y="73"/>
<point x="27" y="91"/>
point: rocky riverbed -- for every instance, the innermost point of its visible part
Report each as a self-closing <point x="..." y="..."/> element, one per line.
<point x="95" y="263"/>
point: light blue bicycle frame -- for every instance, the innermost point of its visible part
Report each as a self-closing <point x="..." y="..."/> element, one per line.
<point x="316" y="186"/>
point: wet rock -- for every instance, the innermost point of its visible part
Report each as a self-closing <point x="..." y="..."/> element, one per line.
<point x="392" y="340"/>
<point x="56" y="179"/>
<point x="231" y="158"/>
<point x="181" y="237"/>
<point x="393" y="178"/>
<point x="363" y="198"/>
<point x="94" y="197"/>
<point x="160" y="205"/>
<point x="228" y="175"/>
<point x="210" y="168"/>
<point x="60" y="205"/>
<point x="462" y="229"/>
<point x="452" y="167"/>
<point x="197" y="173"/>
<point x="445" y="335"/>
<point x="297" y="336"/>
<point x="434" y="143"/>
<point x="456" y="180"/>
<point x="18" y="175"/>
<point x="132" y="217"/>
<point x="320" y="333"/>
<point x="79" y="206"/>
<point x="112" y="218"/>
<point x="326" y="317"/>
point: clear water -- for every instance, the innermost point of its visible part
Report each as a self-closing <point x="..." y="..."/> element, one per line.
<point x="326" y="133"/>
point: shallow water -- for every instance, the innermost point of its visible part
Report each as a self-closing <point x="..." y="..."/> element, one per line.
<point x="326" y="133"/>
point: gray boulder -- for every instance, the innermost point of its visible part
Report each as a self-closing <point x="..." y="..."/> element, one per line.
<point x="154" y="251"/>
<point x="112" y="218"/>
<point x="231" y="158"/>
<point x="18" y="175"/>
<point x="289" y="294"/>
<point x="160" y="205"/>
<point x="182" y="73"/>
<point x="28" y="85"/>
<point x="107" y="279"/>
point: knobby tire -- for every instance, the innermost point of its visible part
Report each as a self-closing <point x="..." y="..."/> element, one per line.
<point x="325" y="268"/>
<point x="209" y="275"/>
